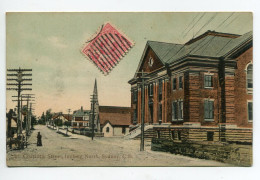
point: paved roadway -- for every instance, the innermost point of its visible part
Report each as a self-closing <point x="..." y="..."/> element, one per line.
<point x="78" y="150"/>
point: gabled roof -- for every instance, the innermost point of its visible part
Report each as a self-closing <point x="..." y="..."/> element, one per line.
<point x="115" y="122"/>
<point x="209" y="44"/>
<point x="79" y="113"/>
<point x="67" y="116"/>
<point x="116" y="115"/>
<point x="56" y="115"/>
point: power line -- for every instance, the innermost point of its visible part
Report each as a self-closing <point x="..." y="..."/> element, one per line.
<point x="231" y="21"/>
<point x="186" y="35"/>
<point x="195" y="24"/>
<point x="218" y="27"/>
<point x="205" y="38"/>
<point x="183" y="32"/>
<point x="192" y="21"/>
<point x="225" y="20"/>
<point x="209" y="21"/>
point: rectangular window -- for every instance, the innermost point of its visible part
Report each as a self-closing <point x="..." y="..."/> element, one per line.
<point x="160" y="112"/>
<point x="135" y="93"/>
<point x="160" y="86"/>
<point x="180" y="82"/>
<point x="123" y="130"/>
<point x="208" y="81"/>
<point x="210" y="136"/>
<point x="250" y="111"/>
<point x="250" y="76"/>
<point x="180" y="112"/>
<point x="179" y="135"/>
<point x="158" y="134"/>
<point x="208" y="109"/>
<point x="135" y="116"/>
<point x="174" y="84"/>
<point x="151" y="89"/>
<point x="174" y="111"/>
<point x="160" y="89"/>
<point x="173" y="135"/>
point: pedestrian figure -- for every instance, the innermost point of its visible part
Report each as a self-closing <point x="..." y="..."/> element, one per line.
<point x="39" y="139"/>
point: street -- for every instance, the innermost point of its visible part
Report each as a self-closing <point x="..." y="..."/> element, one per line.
<point x="78" y="150"/>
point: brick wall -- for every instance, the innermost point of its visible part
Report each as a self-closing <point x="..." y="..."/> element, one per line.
<point x="240" y="155"/>
<point x="241" y="95"/>
<point x="230" y="97"/>
<point x="235" y="135"/>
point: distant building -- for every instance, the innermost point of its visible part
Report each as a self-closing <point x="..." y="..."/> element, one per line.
<point x="11" y="123"/>
<point x="80" y="119"/>
<point x="201" y="90"/>
<point x="114" y="120"/>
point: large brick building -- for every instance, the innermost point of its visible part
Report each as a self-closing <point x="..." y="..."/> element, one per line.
<point x="200" y="90"/>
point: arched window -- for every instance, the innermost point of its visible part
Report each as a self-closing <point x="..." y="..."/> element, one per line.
<point x="249" y="76"/>
<point x="107" y="129"/>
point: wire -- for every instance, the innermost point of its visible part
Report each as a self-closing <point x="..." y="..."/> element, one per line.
<point x="207" y="43"/>
<point x="192" y="21"/>
<point x="215" y="36"/>
<point x="195" y="24"/>
<point x="225" y="20"/>
<point x="209" y="21"/>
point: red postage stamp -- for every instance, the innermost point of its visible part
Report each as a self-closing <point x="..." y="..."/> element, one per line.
<point x="107" y="48"/>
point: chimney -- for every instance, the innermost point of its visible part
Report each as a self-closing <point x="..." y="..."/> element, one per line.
<point x="81" y="108"/>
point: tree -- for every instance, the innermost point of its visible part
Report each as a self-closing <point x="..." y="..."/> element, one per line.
<point x="67" y="123"/>
<point x="48" y="115"/>
<point x="33" y="121"/>
<point x="9" y="116"/>
<point x="42" y="119"/>
<point x="58" y="122"/>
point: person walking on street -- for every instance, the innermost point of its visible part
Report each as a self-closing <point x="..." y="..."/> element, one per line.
<point x="39" y="139"/>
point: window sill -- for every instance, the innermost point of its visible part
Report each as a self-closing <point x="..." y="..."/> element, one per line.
<point x="176" y="120"/>
<point x="209" y="120"/>
<point x="250" y="121"/>
<point x="249" y="90"/>
<point x="208" y="88"/>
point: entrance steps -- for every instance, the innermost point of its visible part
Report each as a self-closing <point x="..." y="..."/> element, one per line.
<point x="136" y="133"/>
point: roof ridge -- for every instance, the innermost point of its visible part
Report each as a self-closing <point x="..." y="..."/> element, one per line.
<point x="212" y="33"/>
<point x="164" y="42"/>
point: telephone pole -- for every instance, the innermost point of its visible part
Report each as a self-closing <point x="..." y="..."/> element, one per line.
<point x="18" y="77"/>
<point x="142" y="77"/>
<point x="93" y="102"/>
<point x="29" y="97"/>
<point x="68" y="120"/>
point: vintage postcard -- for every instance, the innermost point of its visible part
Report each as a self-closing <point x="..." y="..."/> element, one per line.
<point x="129" y="89"/>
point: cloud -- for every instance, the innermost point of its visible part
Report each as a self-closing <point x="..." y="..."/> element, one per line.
<point x="57" y="42"/>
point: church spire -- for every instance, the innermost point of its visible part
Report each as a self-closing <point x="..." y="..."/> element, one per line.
<point x="95" y="93"/>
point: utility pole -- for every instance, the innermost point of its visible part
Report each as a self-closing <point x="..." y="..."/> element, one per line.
<point x="68" y="120"/>
<point x="142" y="122"/>
<point x="19" y="73"/>
<point x="142" y="77"/>
<point x="29" y="98"/>
<point x="30" y="119"/>
<point x="93" y="102"/>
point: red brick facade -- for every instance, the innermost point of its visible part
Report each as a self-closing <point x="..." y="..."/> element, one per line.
<point x="228" y="90"/>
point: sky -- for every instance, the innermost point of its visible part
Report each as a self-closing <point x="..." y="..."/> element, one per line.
<point x="50" y="44"/>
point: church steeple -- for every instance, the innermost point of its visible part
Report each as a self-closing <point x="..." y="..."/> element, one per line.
<point x="95" y="93"/>
<point x="95" y="108"/>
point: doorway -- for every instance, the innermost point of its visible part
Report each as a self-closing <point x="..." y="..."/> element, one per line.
<point x="151" y="113"/>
